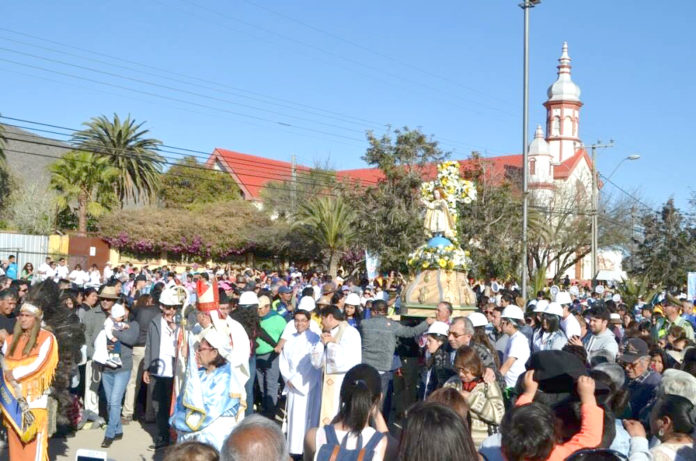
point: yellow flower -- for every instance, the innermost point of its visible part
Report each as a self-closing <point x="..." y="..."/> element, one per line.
<point x="442" y="262"/>
<point x="466" y="253"/>
<point x="450" y="265"/>
<point x="426" y="264"/>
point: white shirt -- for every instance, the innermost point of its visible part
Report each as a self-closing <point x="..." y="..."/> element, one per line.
<point x="167" y="350"/>
<point x="517" y="347"/>
<point x="62" y="272"/>
<point x="571" y="326"/>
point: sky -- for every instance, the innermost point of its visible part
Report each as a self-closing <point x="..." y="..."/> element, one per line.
<point x="307" y="78"/>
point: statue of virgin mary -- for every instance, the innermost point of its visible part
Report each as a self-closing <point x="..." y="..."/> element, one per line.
<point x="438" y="220"/>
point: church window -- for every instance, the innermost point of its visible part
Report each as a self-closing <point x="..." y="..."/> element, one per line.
<point x="556" y="126"/>
<point x="567" y="126"/>
<point x="532" y="166"/>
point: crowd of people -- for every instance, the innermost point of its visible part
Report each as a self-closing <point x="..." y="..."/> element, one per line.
<point x="240" y="364"/>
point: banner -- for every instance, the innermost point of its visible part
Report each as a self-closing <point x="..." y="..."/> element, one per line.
<point x="372" y="265"/>
<point x="691" y="286"/>
<point x="11" y="408"/>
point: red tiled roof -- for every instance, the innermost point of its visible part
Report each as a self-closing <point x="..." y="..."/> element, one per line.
<point x="564" y="170"/>
<point x="252" y="173"/>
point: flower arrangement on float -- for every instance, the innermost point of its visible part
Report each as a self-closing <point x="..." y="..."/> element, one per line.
<point x="455" y="189"/>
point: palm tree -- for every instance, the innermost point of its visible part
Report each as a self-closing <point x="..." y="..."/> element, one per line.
<point x="132" y="154"/>
<point x="87" y="179"/>
<point x="330" y="222"/>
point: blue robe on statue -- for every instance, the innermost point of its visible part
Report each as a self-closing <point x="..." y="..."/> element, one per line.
<point x="208" y="406"/>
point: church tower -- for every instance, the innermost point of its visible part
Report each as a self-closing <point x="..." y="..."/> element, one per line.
<point x="563" y="112"/>
<point x="540" y="170"/>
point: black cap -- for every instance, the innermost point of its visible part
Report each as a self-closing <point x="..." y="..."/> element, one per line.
<point x="634" y="349"/>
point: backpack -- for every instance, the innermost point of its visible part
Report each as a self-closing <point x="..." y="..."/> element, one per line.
<point x="333" y="451"/>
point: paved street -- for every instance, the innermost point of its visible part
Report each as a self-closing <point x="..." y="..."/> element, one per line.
<point x="133" y="446"/>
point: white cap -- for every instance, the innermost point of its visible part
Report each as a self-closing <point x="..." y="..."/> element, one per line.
<point x="218" y="341"/>
<point x="307" y="304"/>
<point x="478" y="319"/>
<point x="117" y="310"/>
<point x="541" y="305"/>
<point x="248" y="298"/>
<point x="555" y="309"/>
<point x="512" y="312"/>
<point x="563" y="297"/>
<point x="353" y="299"/>
<point x="614" y="317"/>
<point x="616" y="298"/>
<point x="438" y="328"/>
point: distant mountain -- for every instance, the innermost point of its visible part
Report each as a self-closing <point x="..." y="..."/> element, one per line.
<point x="29" y="155"/>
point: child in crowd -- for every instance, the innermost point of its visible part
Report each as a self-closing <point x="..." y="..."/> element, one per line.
<point x="107" y="348"/>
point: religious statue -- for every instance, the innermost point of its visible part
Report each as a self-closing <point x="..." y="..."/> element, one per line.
<point x="438" y="220"/>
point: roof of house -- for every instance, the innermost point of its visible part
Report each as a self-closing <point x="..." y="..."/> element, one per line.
<point x="252" y="172"/>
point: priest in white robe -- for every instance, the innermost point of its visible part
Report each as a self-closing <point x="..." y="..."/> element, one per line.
<point x="300" y="367"/>
<point x="342" y="351"/>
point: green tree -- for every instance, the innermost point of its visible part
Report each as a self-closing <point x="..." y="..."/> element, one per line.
<point x="668" y="247"/>
<point x="189" y="183"/>
<point x="85" y="179"/>
<point x="329" y="222"/>
<point x="129" y="151"/>
<point x="490" y="227"/>
<point x="389" y="214"/>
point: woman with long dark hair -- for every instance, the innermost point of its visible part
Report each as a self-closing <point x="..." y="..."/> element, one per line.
<point x="437" y="370"/>
<point x="359" y="425"/>
<point x="434" y="432"/>
<point x="550" y="337"/>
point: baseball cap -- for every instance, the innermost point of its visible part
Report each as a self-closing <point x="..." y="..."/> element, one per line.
<point x="634" y="349"/>
<point x="284" y="289"/>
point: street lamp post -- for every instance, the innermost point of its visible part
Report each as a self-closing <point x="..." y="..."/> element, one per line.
<point x="595" y="200"/>
<point x="595" y="207"/>
<point x="525" y="5"/>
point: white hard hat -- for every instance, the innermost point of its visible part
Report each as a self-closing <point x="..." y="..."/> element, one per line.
<point x="307" y="304"/>
<point x="353" y="299"/>
<point x="513" y="312"/>
<point x="478" y="319"/>
<point x="555" y="309"/>
<point x="563" y="297"/>
<point x="248" y="298"/>
<point x="438" y="328"/>
<point x="541" y="305"/>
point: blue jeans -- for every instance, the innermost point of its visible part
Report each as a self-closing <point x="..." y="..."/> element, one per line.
<point x="115" y="387"/>
<point x="249" y="386"/>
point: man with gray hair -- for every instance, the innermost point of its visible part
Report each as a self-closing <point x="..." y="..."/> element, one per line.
<point x="255" y="438"/>
<point x="461" y="330"/>
<point x="642" y="382"/>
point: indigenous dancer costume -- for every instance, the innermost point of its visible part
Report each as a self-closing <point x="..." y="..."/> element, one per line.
<point x="31" y="357"/>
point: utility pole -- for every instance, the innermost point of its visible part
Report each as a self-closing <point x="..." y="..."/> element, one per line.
<point x="595" y="206"/>
<point x="293" y="175"/>
<point x="525" y="5"/>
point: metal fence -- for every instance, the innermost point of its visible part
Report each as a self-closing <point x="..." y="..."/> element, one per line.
<point x="26" y="248"/>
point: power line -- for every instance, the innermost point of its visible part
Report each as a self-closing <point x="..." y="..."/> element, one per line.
<point x="376" y="53"/>
<point x="399" y="78"/>
<point x="631" y="196"/>
<point x="334" y="115"/>
<point x="124" y="153"/>
<point x="203" y="156"/>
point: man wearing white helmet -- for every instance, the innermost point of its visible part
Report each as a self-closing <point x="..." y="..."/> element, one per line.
<point x="569" y="324"/>
<point x="517" y="351"/>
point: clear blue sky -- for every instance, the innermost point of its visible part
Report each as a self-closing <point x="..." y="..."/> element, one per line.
<point x="308" y="78"/>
